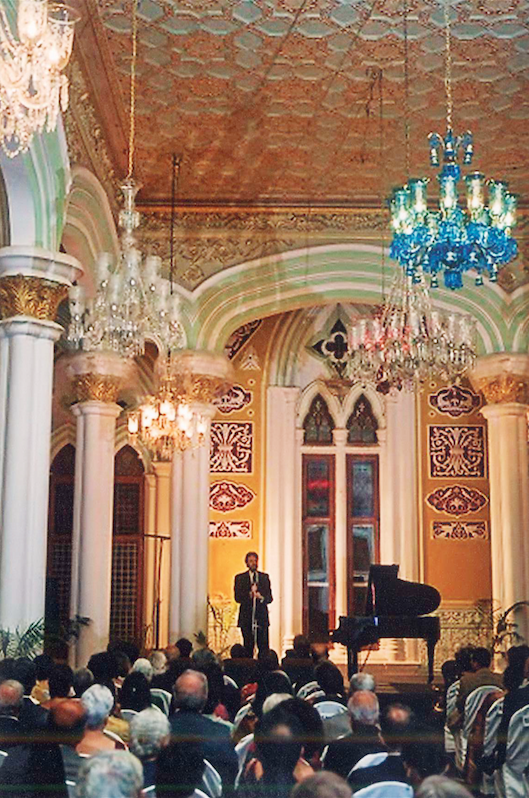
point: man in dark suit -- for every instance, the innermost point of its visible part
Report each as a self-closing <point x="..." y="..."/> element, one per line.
<point x="253" y="593"/>
<point x="343" y="754"/>
<point x="188" y="723"/>
<point x="395" y="727"/>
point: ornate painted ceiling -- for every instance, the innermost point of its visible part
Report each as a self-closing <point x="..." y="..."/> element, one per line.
<point x="279" y="102"/>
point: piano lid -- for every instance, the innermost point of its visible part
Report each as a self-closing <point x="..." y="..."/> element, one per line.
<point x="390" y="596"/>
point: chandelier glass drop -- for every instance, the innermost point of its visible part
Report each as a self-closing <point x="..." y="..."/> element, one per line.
<point x="452" y="239"/>
<point x="32" y="87"/>
<point x="407" y="342"/>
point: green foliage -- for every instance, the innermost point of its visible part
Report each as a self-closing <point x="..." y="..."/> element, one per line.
<point x="23" y="643"/>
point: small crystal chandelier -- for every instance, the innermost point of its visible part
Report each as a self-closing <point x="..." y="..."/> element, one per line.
<point x="168" y="420"/>
<point x="133" y="302"/>
<point x="452" y="240"/>
<point x="407" y="342"/>
<point x="32" y="86"/>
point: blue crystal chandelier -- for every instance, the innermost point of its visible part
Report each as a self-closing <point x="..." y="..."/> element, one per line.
<point x="453" y="240"/>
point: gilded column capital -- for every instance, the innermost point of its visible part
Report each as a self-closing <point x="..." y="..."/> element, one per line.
<point x="34" y="281"/>
<point x="201" y="376"/>
<point x="97" y="376"/>
<point x="502" y="378"/>
<point x="38" y="298"/>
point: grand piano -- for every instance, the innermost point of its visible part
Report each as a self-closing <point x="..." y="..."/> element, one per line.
<point x="394" y="608"/>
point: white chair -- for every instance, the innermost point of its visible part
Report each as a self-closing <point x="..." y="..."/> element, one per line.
<point x="198" y="794"/>
<point x="307" y="689"/>
<point x="113" y="736"/>
<point x="489" y="785"/>
<point x="386" y="789"/>
<point x="3" y="755"/>
<point x="369" y="761"/>
<point x="335" y="719"/>
<point x="161" y="699"/>
<point x="517" y="756"/>
<point x="241" y="749"/>
<point x="451" y="698"/>
<point x="211" y="781"/>
<point x="229" y="682"/>
<point x="330" y="709"/>
<point x="128" y="714"/>
<point x="473" y="704"/>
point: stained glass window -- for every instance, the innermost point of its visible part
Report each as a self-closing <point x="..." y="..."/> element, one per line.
<point x="318" y="424"/>
<point x="362" y="425"/>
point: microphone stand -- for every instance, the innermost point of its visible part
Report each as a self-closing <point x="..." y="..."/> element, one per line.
<point x="254" y="615"/>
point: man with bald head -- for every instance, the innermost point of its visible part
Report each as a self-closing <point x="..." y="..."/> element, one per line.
<point x="188" y="723"/>
<point x="11" y="695"/>
<point x="364" y="738"/>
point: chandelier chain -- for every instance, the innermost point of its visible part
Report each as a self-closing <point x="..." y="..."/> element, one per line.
<point x="448" y="67"/>
<point x="406" y="90"/>
<point x="132" y="120"/>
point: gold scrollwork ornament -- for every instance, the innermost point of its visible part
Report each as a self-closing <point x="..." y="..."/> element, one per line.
<point x="30" y="296"/>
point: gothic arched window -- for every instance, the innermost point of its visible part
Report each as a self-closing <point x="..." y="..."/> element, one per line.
<point x="318" y="424"/>
<point x="362" y="425"/>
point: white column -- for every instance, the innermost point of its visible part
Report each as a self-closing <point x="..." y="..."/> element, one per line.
<point x="504" y="380"/>
<point x="283" y="549"/>
<point x="93" y="515"/>
<point x="32" y="284"/>
<point x="26" y="356"/>
<point x="189" y="543"/>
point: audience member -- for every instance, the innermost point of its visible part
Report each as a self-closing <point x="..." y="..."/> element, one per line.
<point x="179" y="769"/>
<point x="441" y="787"/>
<point x="330" y="679"/>
<point x="322" y="785"/>
<point x="364" y="737"/>
<point x="135" y="693"/>
<point x="112" y="774"/>
<point x="423" y="754"/>
<point x="11" y="696"/>
<point x="395" y="727"/>
<point x="361" y="681"/>
<point x="123" y="667"/>
<point x="297" y="662"/>
<point x="158" y="661"/>
<point x="82" y="680"/>
<point x="312" y="737"/>
<point x="60" y="685"/>
<point x="144" y="667"/>
<point x="239" y="667"/>
<point x="149" y="732"/>
<point x="267" y="684"/>
<point x="98" y="702"/>
<point x="103" y="666"/>
<point x="43" y="668"/>
<point x="479" y="676"/>
<point x="188" y="722"/>
<point x="126" y="647"/>
<point x="185" y="647"/>
<point x="515" y="699"/>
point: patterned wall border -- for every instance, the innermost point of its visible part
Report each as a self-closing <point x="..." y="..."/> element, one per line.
<point x="455" y="401"/>
<point x="225" y="496"/>
<point x="459" y="530"/>
<point x="460" y="626"/>
<point x="457" y="451"/>
<point x="456" y="500"/>
<point x="230" y="529"/>
<point x="231" y="447"/>
<point x="237" y="398"/>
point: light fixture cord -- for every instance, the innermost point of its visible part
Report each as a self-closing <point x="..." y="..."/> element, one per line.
<point x="406" y="91"/>
<point x="448" y="67"/>
<point x="382" y="175"/>
<point x="132" y="121"/>
<point x="176" y="168"/>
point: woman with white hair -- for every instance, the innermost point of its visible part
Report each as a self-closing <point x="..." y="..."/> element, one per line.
<point x="112" y="774"/>
<point x="149" y="732"/>
<point x="143" y="666"/>
<point x="98" y="702"/>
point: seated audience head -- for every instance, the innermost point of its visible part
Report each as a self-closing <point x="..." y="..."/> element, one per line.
<point x="312" y="736"/>
<point x="301" y="646"/>
<point x="67" y="721"/>
<point x="268" y="684"/>
<point x="113" y="774"/>
<point x="395" y="725"/>
<point x="278" y="746"/>
<point x="330" y="678"/>
<point x="441" y="787"/>
<point x="423" y="754"/>
<point x="517" y="654"/>
<point x="149" y="731"/>
<point x="123" y="665"/>
<point x="103" y="666"/>
<point x="11" y="697"/>
<point x="7" y="668"/>
<point x="268" y="661"/>
<point x="43" y="667"/>
<point x="135" y="692"/>
<point x="143" y="665"/>
<point x="98" y="702"/>
<point x="60" y="682"/>
<point x="238" y="651"/>
<point x="204" y="658"/>
<point x="480" y="658"/>
<point x="449" y="672"/>
<point x="179" y="769"/>
<point x="25" y="672"/>
<point x="322" y="785"/>
<point x="514" y="673"/>
<point x="274" y="700"/>
<point x="319" y="652"/>
<point x="82" y="680"/>
<point x="184" y="646"/>
<point x="126" y="647"/>
<point x="191" y="691"/>
<point x="361" y="681"/>
<point x="463" y="660"/>
<point x="363" y="708"/>
<point x="158" y="661"/>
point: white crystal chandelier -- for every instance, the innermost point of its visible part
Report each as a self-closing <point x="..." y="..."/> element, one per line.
<point x="133" y="302"/>
<point x="408" y="342"/>
<point x="32" y="87"/>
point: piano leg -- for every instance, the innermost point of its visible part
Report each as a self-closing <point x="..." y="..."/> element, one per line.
<point x="352" y="661"/>
<point x="430" y="644"/>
